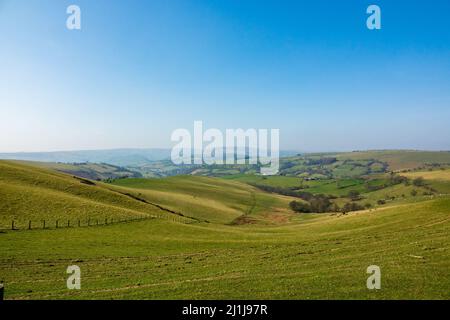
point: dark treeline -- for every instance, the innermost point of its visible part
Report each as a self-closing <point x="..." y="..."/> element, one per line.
<point x="314" y="203"/>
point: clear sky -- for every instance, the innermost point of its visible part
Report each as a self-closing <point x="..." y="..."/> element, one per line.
<point x="137" y="70"/>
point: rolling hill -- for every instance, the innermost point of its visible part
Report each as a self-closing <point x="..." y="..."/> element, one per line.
<point x="234" y="242"/>
<point x="31" y="192"/>
<point x="324" y="257"/>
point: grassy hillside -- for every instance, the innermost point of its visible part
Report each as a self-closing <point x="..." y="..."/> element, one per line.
<point x="31" y="193"/>
<point x="252" y="246"/>
<point x="92" y="171"/>
<point x="401" y="159"/>
<point x="437" y="179"/>
<point x="206" y="198"/>
<point x="324" y="257"/>
<point x="34" y="193"/>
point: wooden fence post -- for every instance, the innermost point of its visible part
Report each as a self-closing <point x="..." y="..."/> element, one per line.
<point x="43" y="224"/>
<point x="12" y="225"/>
<point x="89" y="222"/>
<point x="79" y="225"/>
<point x="56" y="224"/>
<point x="29" y="225"/>
<point x="68" y="223"/>
<point x="2" y="290"/>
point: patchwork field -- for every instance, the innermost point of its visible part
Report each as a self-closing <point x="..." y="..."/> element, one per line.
<point x="400" y="159"/>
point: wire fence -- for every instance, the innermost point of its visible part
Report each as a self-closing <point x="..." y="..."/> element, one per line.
<point x="48" y="224"/>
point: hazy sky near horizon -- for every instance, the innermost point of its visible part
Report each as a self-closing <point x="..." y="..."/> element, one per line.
<point x="137" y="70"/>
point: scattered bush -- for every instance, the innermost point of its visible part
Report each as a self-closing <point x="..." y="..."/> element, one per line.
<point x="419" y="182"/>
<point x="354" y="195"/>
<point x="300" y="207"/>
<point x="351" y="206"/>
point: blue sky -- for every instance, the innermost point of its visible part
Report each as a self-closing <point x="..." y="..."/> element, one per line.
<point x="137" y="70"/>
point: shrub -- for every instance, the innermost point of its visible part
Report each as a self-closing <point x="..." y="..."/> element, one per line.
<point x="354" y="195"/>
<point x="419" y="182"/>
<point x="352" y="206"/>
<point x="300" y="207"/>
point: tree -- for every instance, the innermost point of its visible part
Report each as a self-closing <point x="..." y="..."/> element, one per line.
<point x="419" y="182"/>
<point x="352" y="206"/>
<point x="300" y="207"/>
<point x="320" y="203"/>
<point x="354" y="195"/>
<point x="413" y="192"/>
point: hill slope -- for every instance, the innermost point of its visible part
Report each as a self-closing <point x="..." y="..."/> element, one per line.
<point x="401" y="159"/>
<point x="29" y="192"/>
<point x="324" y="257"/>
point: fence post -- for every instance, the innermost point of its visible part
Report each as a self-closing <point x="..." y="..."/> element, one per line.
<point x="12" y="225"/>
<point x="29" y="225"/>
<point x="97" y="221"/>
<point x="106" y="220"/>
<point x="112" y="220"/>
<point x="68" y="223"/>
<point x="43" y="224"/>
<point x="79" y="223"/>
<point x="56" y="224"/>
<point x="2" y="290"/>
<point x="89" y="222"/>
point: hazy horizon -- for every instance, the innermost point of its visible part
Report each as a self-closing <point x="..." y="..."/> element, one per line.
<point x="169" y="148"/>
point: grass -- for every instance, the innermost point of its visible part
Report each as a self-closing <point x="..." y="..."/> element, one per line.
<point x="253" y="247"/>
<point x="93" y="171"/>
<point x="32" y="193"/>
<point x="273" y="181"/>
<point x="437" y="179"/>
<point x="338" y="188"/>
<point x="27" y="192"/>
<point x="400" y="159"/>
<point x="212" y="199"/>
<point x="320" y="258"/>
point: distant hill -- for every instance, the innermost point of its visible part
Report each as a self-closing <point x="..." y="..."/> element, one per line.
<point x="88" y="170"/>
<point x="118" y="157"/>
<point x="401" y="159"/>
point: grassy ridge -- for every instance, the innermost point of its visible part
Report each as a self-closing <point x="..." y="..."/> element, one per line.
<point x="30" y="193"/>
<point x="34" y="193"/>
<point x="206" y="198"/>
<point x="400" y="159"/>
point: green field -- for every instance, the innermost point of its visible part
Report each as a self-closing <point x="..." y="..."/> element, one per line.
<point x="236" y="241"/>
<point x="400" y="159"/>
